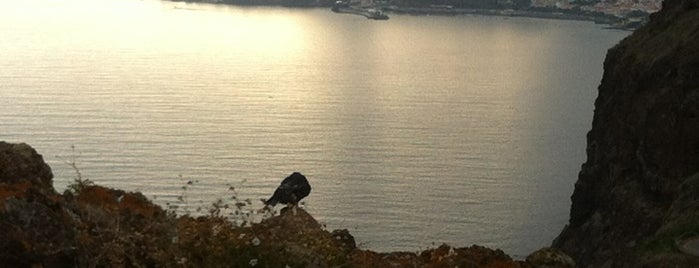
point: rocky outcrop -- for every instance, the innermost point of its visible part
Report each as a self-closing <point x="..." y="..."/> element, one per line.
<point x="644" y="142"/>
<point x="550" y="258"/>
<point x="94" y="226"/>
<point x="20" y="162"/>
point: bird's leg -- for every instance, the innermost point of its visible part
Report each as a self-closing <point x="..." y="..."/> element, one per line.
<point x="293" y="209"/>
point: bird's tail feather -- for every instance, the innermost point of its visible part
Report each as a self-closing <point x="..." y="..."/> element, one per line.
<point x="271" y="202"/>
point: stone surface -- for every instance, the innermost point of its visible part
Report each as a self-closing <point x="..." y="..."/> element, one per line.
<point x="644" y="140"/>
<point x="550" y="258"/>
<point x="20" y="162"/>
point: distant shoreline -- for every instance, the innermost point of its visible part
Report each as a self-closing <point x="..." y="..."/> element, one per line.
<point x="502" y="12"/>
<point x="612" y="21"/>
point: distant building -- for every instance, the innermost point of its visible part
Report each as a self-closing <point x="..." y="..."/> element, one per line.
<point x="613" y="7"/>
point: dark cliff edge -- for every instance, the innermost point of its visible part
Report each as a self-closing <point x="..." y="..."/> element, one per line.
<point x="94" y="226"/>
<point x="635" y="194"/>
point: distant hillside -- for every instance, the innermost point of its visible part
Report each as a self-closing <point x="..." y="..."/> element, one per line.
<point x="597" y="5"/>
<point x="612" y="11"/>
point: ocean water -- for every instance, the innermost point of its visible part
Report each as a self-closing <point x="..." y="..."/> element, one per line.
<point x="415" y="131"/>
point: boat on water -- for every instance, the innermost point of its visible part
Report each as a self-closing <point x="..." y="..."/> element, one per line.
<point x="376" y="14"/>
<point x="369" y="13"/>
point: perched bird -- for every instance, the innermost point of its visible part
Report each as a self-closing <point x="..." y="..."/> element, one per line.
<point x="292" y="189"/>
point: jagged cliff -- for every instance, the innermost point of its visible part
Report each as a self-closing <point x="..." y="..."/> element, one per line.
<point x="634" y="192"/>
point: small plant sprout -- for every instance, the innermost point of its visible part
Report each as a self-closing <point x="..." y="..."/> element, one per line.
<point x="78" y="183"/>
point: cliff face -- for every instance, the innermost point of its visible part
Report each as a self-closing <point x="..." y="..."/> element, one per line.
<point x="644" y="143"/>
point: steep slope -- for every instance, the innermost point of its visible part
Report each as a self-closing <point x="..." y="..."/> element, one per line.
<point x="644" y="142"/>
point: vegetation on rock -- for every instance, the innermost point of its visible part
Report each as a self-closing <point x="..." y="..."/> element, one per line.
<point x="94" y="226"/>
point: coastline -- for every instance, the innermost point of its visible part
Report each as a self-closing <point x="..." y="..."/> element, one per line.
<point x="613" y="22"/>
<point x="503" y="12"/>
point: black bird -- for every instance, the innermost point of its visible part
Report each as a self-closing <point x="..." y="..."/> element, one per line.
<point x="292" y="189"/>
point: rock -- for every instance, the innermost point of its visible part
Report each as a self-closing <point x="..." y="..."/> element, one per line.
<point x="345" y="239"/>
<point x="113" y="200"/>
<point x="687" y="202"/>
<point x="666" y="247"/>
<point x="39" y="226"/>
<point x="32" y="221"/>
<point x="443" y="256"/>
<point x="287" y="220"/>
<point x="20" y="162"/>
<point x="99" y="226"/>
<point x="550" y="258"/>
<point x="644" y="140"/>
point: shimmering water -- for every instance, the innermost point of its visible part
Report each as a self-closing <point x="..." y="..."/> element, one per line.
<point x="419" y="129"/>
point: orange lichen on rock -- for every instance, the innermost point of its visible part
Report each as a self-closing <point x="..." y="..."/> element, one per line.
<point x="116" y="200"/>
<point x="98" y="196"/>
<point x="443" y="256"/>
<point x="13" y="190"/>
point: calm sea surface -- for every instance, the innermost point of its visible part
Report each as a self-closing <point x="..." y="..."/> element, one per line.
<point x="413" y="131"/>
